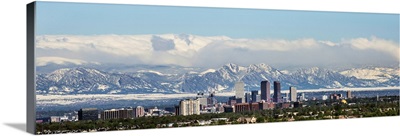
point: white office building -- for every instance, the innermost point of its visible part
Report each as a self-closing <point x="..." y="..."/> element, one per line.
<point x="239" y="90"/>
<point x="189" y="107"/>
<point x="293" y="94"/>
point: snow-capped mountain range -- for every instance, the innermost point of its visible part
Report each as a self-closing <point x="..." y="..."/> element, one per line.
<point x="86" y="80"/>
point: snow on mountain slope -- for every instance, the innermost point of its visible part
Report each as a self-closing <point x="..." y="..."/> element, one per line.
<point x="151" y="71"/>
<point x="379" y="74"/>
<point x="92" y="81"/>
<point x="208" y="71"/>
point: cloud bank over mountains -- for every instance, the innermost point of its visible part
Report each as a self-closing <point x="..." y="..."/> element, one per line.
<point x="213" y="51"/>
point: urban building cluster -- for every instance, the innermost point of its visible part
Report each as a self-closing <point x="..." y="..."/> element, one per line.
<point x="203" y="104"/>
<point x="261" y="99"/>
<point x="248" y="101"/>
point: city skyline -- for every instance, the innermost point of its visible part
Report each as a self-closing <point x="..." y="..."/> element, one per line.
<point x="199" y="107"/>
<point x="190" y="106"/>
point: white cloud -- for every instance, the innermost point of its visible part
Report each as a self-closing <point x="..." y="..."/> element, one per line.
<point x="328" y="43"/>
<point x="271" y="44"/>
<point x="42" y="61"/>
<point x="193" y="50"/>
<point x="377" y="44"/>
<point x="120" y="45"/>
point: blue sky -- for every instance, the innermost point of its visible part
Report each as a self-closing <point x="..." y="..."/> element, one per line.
<point x="97" y="19"/>
<point x="132" y="34"/>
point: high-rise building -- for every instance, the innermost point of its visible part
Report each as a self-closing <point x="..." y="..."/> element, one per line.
<point x="265" y="91"/>
<point x="88" y="114"/>
<point x="203" y="102"/>
<point x="232" y="100"/>
<point x="302" y="97"/>
<point x="258" y="98"/>
<point x="293" y="94"/>
<point x="254" y="96"/>
<point x="247" y="97"/>
<point x="138" y="112"/>
<point x="177" y="110"/>
<point x="277" y="92"/>
<point x="189" y="107"/>
<point x="211" y="100"/>
<point x="239" y="90"/>
<point x="239" y="100"/>
<point x="349" y="95"/>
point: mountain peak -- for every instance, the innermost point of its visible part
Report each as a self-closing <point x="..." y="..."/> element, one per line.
<point x="231" y="65"/>
<point x="259" y="67"/>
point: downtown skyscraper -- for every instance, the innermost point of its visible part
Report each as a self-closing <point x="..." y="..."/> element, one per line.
<point x="277" y="92"/>
<point x="239" y="91"/>
<point x="293" y="94"/>
<point x="254" y="95"/>
<point x="265" y="91"/>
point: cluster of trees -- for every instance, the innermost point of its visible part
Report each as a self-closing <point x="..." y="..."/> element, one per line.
<point x="315" y="110"/>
